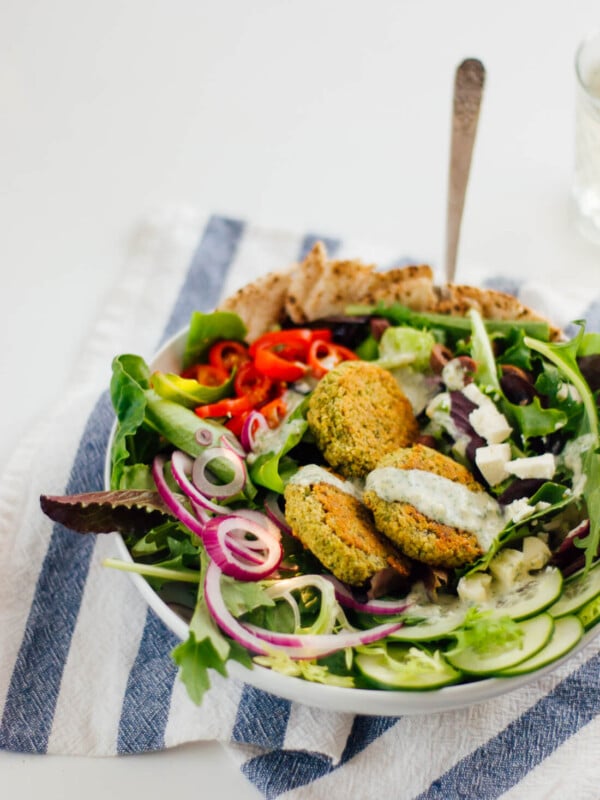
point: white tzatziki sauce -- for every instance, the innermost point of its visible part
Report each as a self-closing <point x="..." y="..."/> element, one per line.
<point x="313" y="473"/>
<point x="441" y="500"/>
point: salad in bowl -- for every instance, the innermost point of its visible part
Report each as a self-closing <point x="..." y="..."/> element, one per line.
<point x="349" y="483"/>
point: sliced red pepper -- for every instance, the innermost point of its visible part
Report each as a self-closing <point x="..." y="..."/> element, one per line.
<point x="324" y="356"/>
<point x="228" y="354"/>
<point x="274" y="411"/>
<point x="236" y="424"/>
<point x="208" y="375"/>
<point x="250" y="382"/>
<point x="278" y="368"/>
<point x="289" y="336"/>
<point x="229" y="407"/>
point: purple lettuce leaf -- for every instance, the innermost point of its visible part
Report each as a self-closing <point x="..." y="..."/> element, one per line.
<point x="123" y="511"/>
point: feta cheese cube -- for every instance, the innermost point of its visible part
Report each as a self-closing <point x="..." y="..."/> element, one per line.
<point x="454" y="374"/>
<point x="520" y="509"/>
<point x="491" y="461"/>
<point x="489" y="423"/>
<point x="507" y="566"/>
<point x="473" y="393"/>
<point x="543" y="466"/>
<point x="536" y="553"/>
<point x="475" y="588"/>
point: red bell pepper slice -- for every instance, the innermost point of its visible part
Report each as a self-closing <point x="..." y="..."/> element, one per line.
<point x="324" y="356"/>
<point x="274" y="411"/>
<point x="227" y="354"/>
<point x="229" y="407"/>
<point x="277" y="368"/>
<point x="250" y="382"/>
<point x="287" y="337"/>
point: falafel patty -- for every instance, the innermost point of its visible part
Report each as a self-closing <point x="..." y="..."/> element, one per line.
<point x="418" y="536"/>
<point x="357" y="413"/>
<point x="337" y="528"/>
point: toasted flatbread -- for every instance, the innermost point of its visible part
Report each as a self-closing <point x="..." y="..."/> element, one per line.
<point x="320" y="286"/>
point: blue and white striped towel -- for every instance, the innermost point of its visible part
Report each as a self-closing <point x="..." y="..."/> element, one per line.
<point x="85" y="666"/>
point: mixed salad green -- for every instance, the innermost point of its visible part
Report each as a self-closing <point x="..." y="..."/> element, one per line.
<point x="200" y="460"/>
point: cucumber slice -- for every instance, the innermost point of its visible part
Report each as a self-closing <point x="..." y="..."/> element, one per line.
<point x="589" y="614"/>
<point x="536" y="633"/>
<point x="577" y="591"/>
<point x="400" y="666"/>
<point x="527" y="596"/>
<point x="568" y="631"/>
<point x="438" y="620"/>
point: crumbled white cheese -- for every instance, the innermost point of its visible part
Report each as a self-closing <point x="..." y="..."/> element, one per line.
<point x="491" y="461"/>
<point x="486" y="420"/>
<point x="506" y="566"/>
<point x="475" y="588"/>
<point x="572" y="458"/>
<point x="520" y="509"/>
<point x="489" y="423"/>
<point x="543" y="466"/>
<point x="473" y="393"/>
<point x="453" y="375"/>
<point x="567" y="390"/>
<point x="536" y="553"/>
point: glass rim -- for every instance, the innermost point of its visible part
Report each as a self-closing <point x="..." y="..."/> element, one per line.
<point x="593" y="35"/>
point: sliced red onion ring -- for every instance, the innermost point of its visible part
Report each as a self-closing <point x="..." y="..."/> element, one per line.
<point x="241" y="558"/>
<point x="199" y="511"/>
<point x="260" y="519"/>
<point x="215" y="490"/>
<point x="346" y="598"/>
<point x="254" y="424"/>
<point x="204" y="436"/>
<point x="275" y="513"/>
<point x="181" y="467"/>
<point x="263" y="642"/>
<point x="232" y="443"/>
<point x="314" y="645"/>
<point x="175" y="505"/>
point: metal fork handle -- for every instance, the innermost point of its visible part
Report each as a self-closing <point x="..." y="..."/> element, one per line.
<point x="468" y="90"/>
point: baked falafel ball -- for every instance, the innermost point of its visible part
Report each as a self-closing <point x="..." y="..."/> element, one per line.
<point x="337" y="528"/>
<point x="419" y="537"/>
<point x="357" y="413"/>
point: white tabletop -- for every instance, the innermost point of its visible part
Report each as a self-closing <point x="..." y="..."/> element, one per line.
<point x="323" y="115"/>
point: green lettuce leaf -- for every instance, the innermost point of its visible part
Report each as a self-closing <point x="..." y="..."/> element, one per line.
<point x="405" y="345"/>
<point x="206" y="329"/>
<point x="129" y="383"/>
<point x="188" y="392"/>
<point x="564" y="356"/>
<point x="532" y="420"/>
<point x="205" y="648"/>
<point x="482" y="353"/>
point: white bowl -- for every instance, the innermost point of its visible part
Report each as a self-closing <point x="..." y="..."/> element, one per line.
<point x="334" y="698"/>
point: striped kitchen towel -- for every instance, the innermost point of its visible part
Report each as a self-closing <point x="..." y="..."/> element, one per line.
<point x="85" y="665"/>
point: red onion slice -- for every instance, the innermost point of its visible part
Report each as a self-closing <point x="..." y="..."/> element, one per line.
<point x="254" y="424"/>
<point x="175" y="505"/>
<point x="215" y="490"/>
<point x="275" y="513"/>
<point x="181" y="467"/>
<point x="224" y="539"/>
<point x="204" y="436"/>
<point x="233" y="445"/>
<point x="346" y="598"/>
<point x="260" y="519"/>
<point x="314" y="645"/>
<point x="299" y="647"/>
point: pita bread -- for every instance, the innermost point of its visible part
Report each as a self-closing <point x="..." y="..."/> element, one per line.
<point x="320" y="287"/>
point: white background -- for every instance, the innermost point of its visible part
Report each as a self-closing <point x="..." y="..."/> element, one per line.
<point x="332" y="116"/>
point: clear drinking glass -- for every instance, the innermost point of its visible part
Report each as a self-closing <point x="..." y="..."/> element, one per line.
<point x="586" y="186"/>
